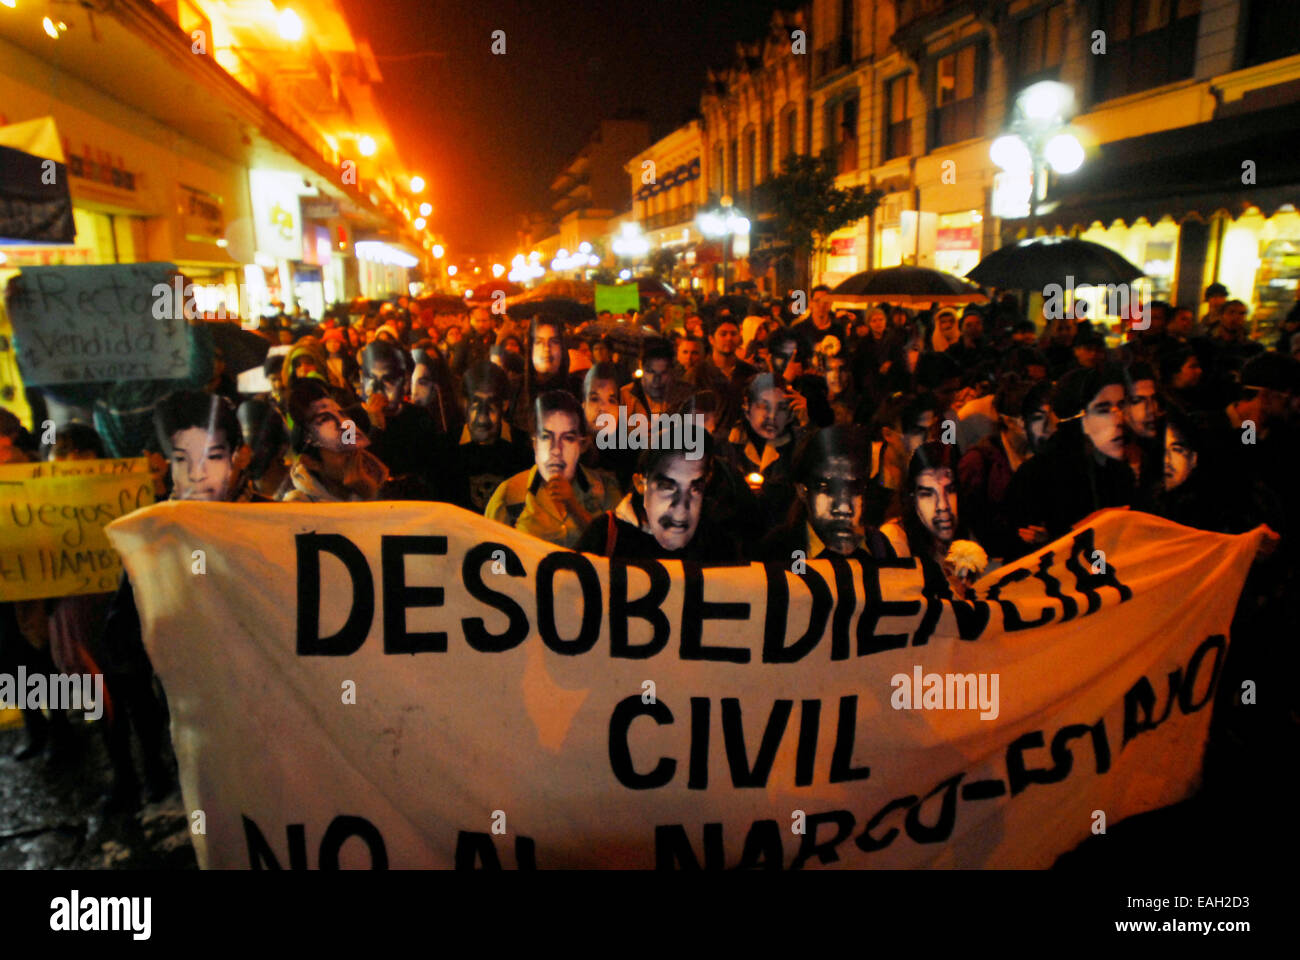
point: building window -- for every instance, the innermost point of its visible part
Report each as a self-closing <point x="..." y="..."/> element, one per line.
<point x="789" y="132"/>
<point x="769" y="148"/>
<point x="807" y="126"/>
<point x="959" y="96"/>
<point x="1272" y="32"/>
<point x="717" y="176"/>
<point x="1148" y="43"/>
<point x="733" y="172"/>
<point x="898" y="124"/>
<point x="1040" y="40"/>
<point x="842" y="133"/>
<point x="751" y="148"/>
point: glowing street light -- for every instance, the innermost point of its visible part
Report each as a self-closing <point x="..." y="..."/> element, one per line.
<point x="498" y="269"/>
<point x="289" y="25"/>
<point x="419" y="223"/>
<point x="367" y="146"/>
<point x="417" y="184"/>
<point x="52" y="29"/>
<point x="1040" y="137"/>
<point x="722" y="225"/>
<point x="451" y="269"/>
<point x="426" y="209"/>
<point x="584" y="247"/>
<point x="438" y="251"/>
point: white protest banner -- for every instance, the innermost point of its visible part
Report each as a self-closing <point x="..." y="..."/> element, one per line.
<point x="52" y="520"/>
<point x="99" y="324"/>
<point x="411" y="685"/>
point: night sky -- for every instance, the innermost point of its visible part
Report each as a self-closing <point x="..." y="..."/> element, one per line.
<point x="490" y="132"/>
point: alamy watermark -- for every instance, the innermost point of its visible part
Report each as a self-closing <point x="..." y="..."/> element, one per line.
<point x="1122" y="300"/>
<point x="56" y="691"/>
<point x="681" y="431"/>
<point x="946" y="691"/>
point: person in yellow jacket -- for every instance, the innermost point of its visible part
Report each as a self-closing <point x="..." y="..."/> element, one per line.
<point x="557" y="498"/>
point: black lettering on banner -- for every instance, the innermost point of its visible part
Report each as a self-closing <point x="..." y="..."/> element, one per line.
<point x="362" y="613"/>
<point x="1011" y="619"/>
<point x="933" y="610"/>
<point x="1142" y="697"/>
<point x="941" y="829"/>
<point x="846" y="731"/>
<point x="1021" y="776"/>
<point x="810" y="712"/>
<point x="875" y="608"/>
<point x="1220" y="645"/>
<point x="262" y="857"/>
<point x="645" y="608"/>
<point x="778" y="610"/>
<point x="823" y="850"/>
<point x="398" y="597"/>
<point x="1087" y="582"/>
<point x="620" y="754"/>
<point x="342" y="828"/>
<point x="471" y="574"/>
<point x="733" y="736"/>
<point x="701" y="708"/>
<point x="695" y="610"/>
<point x="869" y="844"/>
<point x="762" y="847"/>
<point x="673" y="848"/>
<point x="589" y="582"/>
<point x="474" y="848"/>
<point x="1052" y="587"/>
<point x="846" y="599"/>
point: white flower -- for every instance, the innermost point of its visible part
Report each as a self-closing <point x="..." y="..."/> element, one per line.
<point x="966" y="557"/>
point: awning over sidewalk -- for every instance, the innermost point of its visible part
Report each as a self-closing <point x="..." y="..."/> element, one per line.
<point x="1190" y="170"/>
<point x="34" y="200"/>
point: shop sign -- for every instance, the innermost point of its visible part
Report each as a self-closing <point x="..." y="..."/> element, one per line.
<point x="957" y="238"/>
<point x="844" y="246"/>
<point x="99" y="166"/>
<point x="277" y="224"/>
<point x="201" y="214"/>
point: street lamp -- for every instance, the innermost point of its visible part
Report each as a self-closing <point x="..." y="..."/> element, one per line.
<point x="1040" y="137"/>
<point x="723" y="224"/>
<point x="630" y="242"/>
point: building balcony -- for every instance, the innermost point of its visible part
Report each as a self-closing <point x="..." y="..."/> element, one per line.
<point x="832" y="57"/>
<point x="669" y="218"/>
<point x="915" y="18"/>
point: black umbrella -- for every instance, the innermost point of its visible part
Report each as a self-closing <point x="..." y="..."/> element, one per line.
<point x="740" y="305"/>
<point x="654" y="287"/>
<point x="626" y="337"/>
<point x="1034" y="264"/>
<point x="571" y="312"/>
<point x="242" y="349"/>
<point x="907" y="285"/>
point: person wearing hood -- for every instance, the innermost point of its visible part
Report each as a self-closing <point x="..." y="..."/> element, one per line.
<point x="1081" y="469"/>
<point x="307" y="359"/>
<point x="945" y="331"/>
<point x="331" y="462"/>
<point x="665" y="517"/>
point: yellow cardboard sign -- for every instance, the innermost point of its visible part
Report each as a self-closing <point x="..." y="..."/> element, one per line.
<point x="52" y="519"/>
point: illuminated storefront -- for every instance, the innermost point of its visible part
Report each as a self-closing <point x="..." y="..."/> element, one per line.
<point x="957" y="241"/>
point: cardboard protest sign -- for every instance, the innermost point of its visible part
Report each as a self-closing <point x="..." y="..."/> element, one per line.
<point x="99" y="324"/>
<point x="52" y="519"/>
<point x="411" y="685"/>
<point x="617" y="298"/>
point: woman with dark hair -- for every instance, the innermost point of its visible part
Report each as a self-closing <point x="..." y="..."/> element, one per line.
<point x="931" y="521"/>
<point x="432" y="388"/>
<point x="331" y="463"/>
<point x="601" y="397"/>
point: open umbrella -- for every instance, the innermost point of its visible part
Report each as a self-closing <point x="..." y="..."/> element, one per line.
<point x="740" y="305"/>
<point x="907" y="285"/>
<point x="1036" y="263"/>
<point x="626" y="337"/>
<point x="571" y="312"/>
<point x="654" y="287"/>
<point x="483" y="290"/>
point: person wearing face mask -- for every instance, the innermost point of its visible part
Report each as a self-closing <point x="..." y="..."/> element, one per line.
<point x="601" y="397"/>
<point x="267" y="473"/>
<point x="402" y="435"/>
<point x="1143" y="447"/>
<point x="433" y="389"/>
<point x="548" y="363"/>
<point x="331" y="462"/>
<point x="666" y="516"/>
<point x="790" y="358"/>
<point x="984" y="472"/>
<point x="557" y="499"/>
<point x="773" y="420"/>
<point x="828" y="516"/>
<point x="488" y="452"/>
<point x="1081" y="469"/>
<point x="930" y="521"/>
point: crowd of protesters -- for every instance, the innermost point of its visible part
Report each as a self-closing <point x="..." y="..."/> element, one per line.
<point x="877" y="434"/>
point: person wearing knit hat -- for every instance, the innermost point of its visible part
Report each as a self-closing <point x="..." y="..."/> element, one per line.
<point x="1082" y="468"/>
